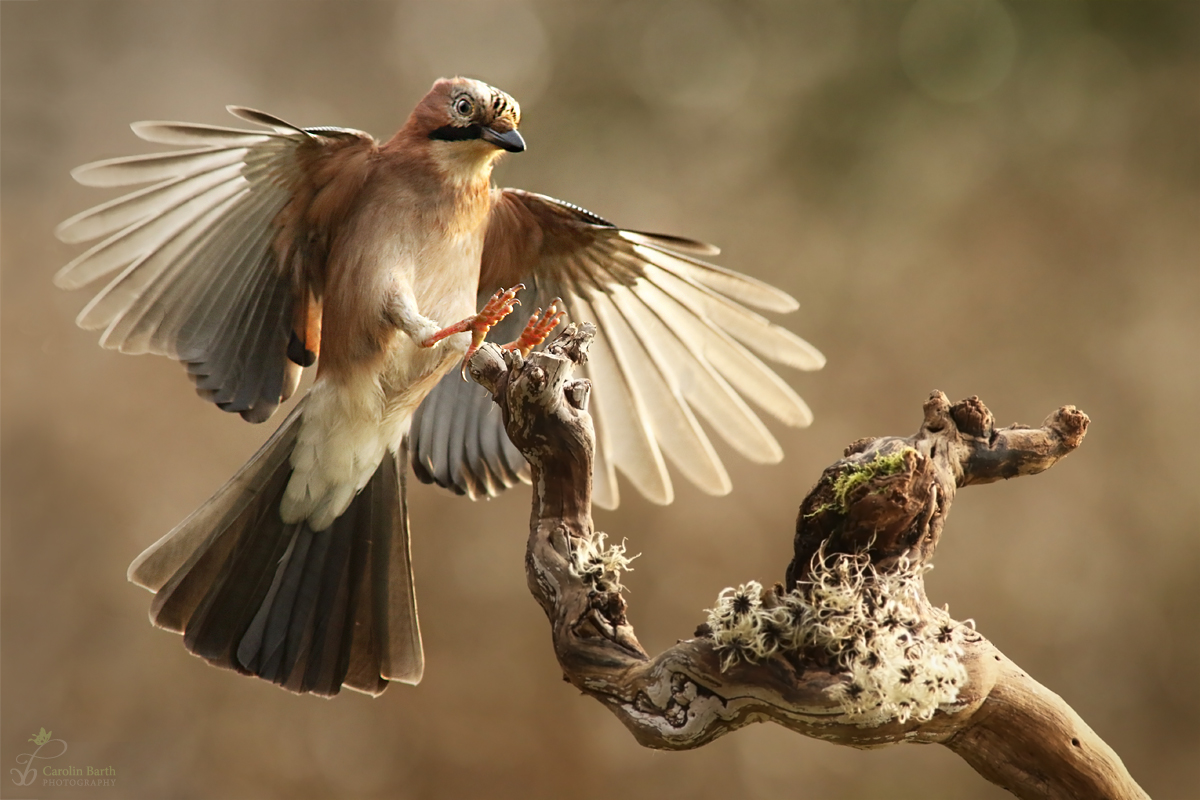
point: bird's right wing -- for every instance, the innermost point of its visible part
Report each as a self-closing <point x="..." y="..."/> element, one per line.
<point x="215" y="264"/>
<point x="675" y="341"/>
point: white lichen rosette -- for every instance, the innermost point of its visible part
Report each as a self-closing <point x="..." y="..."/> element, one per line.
<point x="598" y="564"/>
<point x="897" y="664"/>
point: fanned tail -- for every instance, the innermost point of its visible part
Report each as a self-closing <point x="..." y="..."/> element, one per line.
<point x="309" y="610"/>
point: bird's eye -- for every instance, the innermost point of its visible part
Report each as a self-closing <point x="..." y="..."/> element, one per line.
<point x="463" y="106"/>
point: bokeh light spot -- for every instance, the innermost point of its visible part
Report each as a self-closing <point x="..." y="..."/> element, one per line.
<point x="957" y="51"/>
<point x="696" y="56"/>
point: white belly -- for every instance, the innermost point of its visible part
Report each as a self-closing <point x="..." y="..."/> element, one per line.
<point x="351" y="422"/>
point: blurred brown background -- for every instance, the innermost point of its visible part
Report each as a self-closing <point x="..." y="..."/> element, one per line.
<point x="986" y="198"/>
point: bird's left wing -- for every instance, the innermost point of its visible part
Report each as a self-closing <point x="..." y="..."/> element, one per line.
<point x="218" y="262"/>
<point x="676" y="340"/>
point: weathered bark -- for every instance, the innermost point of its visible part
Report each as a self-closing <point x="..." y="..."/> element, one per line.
<point x="864" y="532"/>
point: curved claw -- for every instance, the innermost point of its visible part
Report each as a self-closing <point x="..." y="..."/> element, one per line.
<point x="538" y="328"/>
<point x="499" y="306"/>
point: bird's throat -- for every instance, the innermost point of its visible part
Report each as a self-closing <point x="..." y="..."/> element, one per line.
<point x="466" y="165"/>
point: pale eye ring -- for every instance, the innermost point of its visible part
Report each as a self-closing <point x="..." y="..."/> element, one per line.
<point x="463" y="106"/>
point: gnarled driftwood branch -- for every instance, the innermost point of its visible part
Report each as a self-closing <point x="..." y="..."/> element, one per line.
<point x="847" y="648"/>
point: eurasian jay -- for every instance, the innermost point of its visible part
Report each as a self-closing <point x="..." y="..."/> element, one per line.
<point x="256" y="253"/>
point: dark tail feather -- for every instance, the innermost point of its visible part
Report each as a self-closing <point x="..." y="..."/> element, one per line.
<point x="309" y="610"/>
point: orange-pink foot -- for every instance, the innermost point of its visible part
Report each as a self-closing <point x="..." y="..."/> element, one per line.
<point x="497" y="308"/>
<point x="538" y="328"/>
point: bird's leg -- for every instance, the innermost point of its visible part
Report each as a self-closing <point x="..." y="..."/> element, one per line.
<point x="538" y="328"/>
<point x="497" y="308"/>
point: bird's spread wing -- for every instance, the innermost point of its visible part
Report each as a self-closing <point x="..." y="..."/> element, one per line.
<point x="214" y="264"/>
<point x="677" y="341"/>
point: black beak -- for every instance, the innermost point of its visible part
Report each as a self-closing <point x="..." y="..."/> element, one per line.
<point x="508" y="140"/>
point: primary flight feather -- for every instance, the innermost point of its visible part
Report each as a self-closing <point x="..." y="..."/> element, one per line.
<point x="255" y="253"/>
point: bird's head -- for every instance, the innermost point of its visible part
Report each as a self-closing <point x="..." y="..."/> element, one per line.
<point x="468" y="122"/>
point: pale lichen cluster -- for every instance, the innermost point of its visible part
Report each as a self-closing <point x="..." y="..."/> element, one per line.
<point x="901" y="658"/>
<point x="598" y="564"/>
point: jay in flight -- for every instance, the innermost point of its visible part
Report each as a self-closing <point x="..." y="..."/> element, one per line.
<point x="255" y="253"/>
